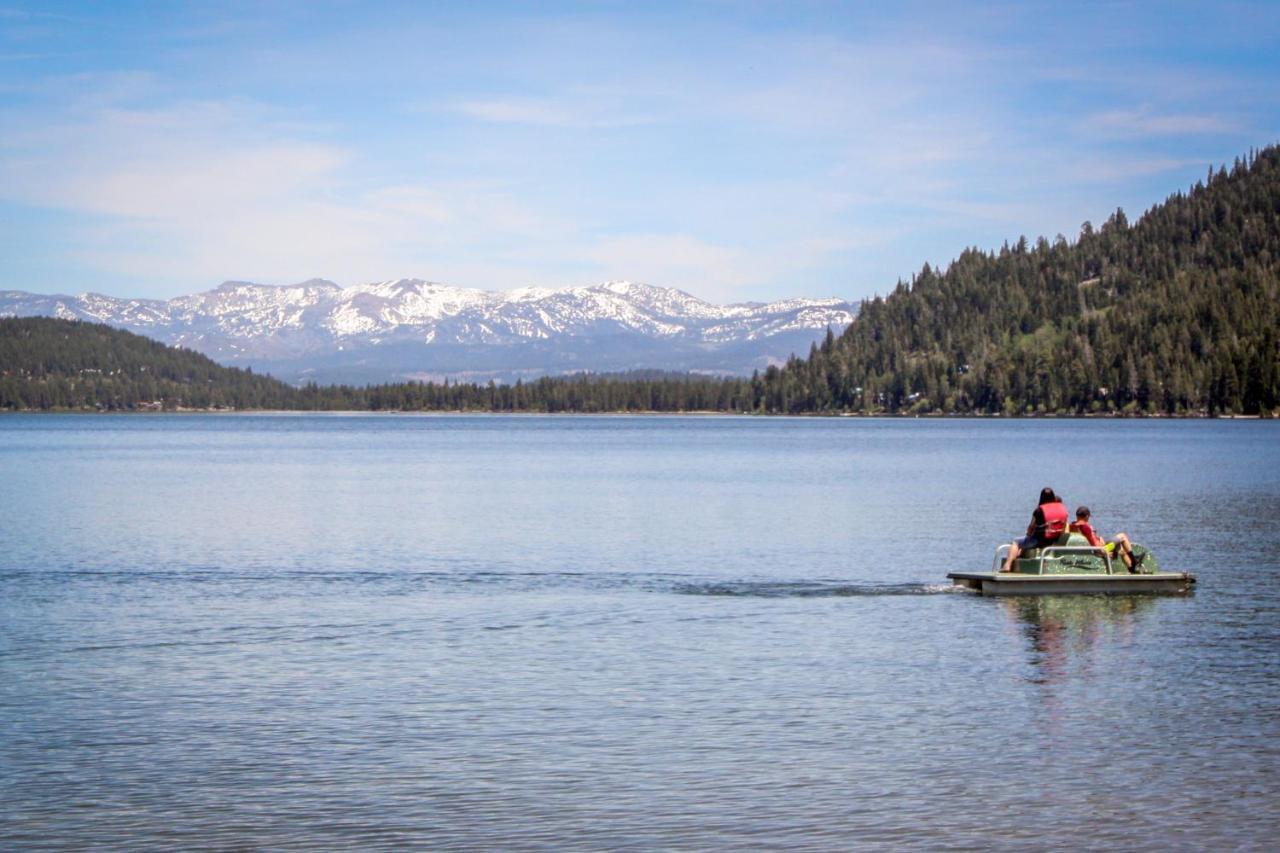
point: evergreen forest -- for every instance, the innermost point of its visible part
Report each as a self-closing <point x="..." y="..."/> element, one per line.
<point x="1175" y="314"/>
<point x="49" y="364"/>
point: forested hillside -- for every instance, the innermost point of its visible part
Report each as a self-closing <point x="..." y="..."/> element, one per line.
<point x="1177" y="313"/>
<point x="65" y="365"/>
<point x="62" y="364"/>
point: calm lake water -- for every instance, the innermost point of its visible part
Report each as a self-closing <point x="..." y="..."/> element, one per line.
<point x="626" y="632"/>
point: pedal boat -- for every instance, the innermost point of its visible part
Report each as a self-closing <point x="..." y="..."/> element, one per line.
<point x="1071" y="565"/>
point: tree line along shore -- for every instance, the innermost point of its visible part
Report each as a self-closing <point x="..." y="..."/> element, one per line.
<point x="1176" y="314"/>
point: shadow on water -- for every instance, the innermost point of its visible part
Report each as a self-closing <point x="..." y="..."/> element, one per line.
<point x="1064" y="631"/>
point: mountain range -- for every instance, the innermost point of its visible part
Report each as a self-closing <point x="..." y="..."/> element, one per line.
<point x="414" y="329"/>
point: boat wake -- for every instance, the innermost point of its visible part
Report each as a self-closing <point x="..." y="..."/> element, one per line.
<point x="472" y="580"/>
<point x="812" y="589"/>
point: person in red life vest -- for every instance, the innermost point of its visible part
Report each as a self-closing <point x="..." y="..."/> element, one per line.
<point x="1048" y="522"/>
<point x="1082" y="526"/>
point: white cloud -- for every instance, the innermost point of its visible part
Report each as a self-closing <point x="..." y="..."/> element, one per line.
<point x="192" y="194"/>
<point x="764" y="156"/>
<point x="1144" y="122"/>
<point x="580" y="108"/>
<point x="714" y="272"/>
<point x="678" y="260"/>
<point x="189" y="195"/>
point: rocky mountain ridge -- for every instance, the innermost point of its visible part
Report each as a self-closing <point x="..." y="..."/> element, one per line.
<point x="416" y="329"/>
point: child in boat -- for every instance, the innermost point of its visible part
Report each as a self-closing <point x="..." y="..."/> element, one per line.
<point x="1082" y="526"/>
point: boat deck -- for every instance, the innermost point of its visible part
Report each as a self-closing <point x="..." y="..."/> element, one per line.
<point x="1023" y="583"/>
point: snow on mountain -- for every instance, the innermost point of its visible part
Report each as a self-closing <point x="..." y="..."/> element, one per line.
<point x="383" y="331"/>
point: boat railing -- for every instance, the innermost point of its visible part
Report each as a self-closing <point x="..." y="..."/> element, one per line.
<point x="1001" y="553"/>
<point x="1053" y="551"/>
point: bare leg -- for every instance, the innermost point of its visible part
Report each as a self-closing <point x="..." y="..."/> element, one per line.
<point x="1013" y="555"/>
<point x="1126" y="550"/>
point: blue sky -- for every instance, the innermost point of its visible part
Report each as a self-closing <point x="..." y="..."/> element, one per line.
<point x="738" y="150"/>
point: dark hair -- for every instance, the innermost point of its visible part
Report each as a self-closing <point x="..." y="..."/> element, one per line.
<point x="1083" y="512"/>
<point x="1047" y="496"/>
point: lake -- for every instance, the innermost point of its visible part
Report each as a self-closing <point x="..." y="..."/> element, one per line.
<point x="379" y="631"/>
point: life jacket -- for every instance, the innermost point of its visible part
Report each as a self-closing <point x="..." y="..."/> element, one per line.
<point x="1055" y="520"/>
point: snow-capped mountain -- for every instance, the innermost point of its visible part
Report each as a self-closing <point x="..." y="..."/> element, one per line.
<point x="410" y="328"/>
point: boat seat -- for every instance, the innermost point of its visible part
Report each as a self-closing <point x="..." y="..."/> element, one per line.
<point x="1067" y="538"/>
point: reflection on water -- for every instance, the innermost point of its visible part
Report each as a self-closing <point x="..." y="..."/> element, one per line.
<point x="1064" y="631"/>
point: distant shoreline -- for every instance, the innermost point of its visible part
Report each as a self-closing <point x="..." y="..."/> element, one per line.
<point x="653" y="413"/>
